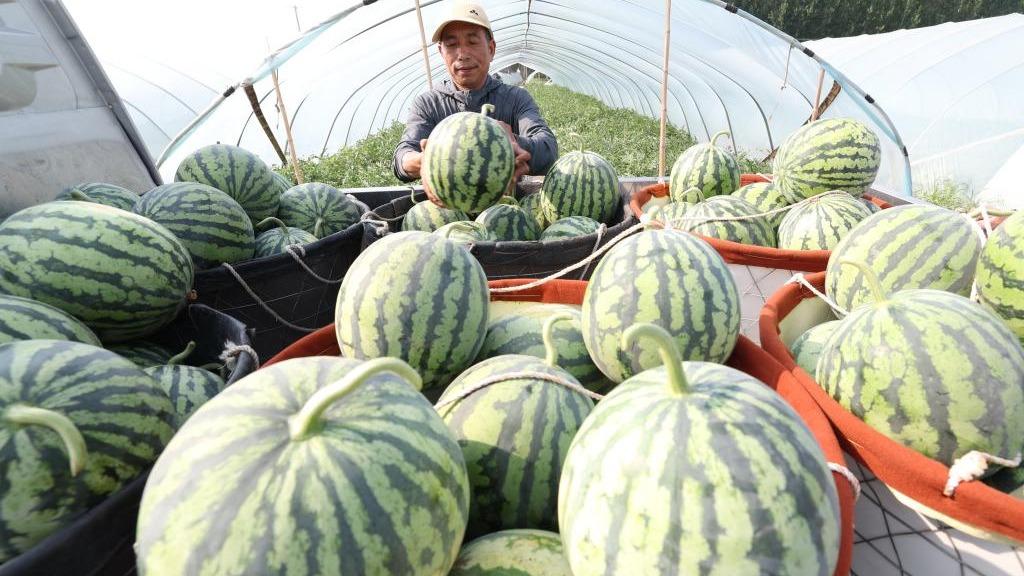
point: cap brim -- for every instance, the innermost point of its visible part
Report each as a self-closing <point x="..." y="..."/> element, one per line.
<point x="440" y="28"/>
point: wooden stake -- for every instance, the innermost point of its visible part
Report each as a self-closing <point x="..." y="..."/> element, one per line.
<point x="817" y="96"/>
<point x="287" y="130"/>
<point x="664" y="92"/>
<point x="423" y="43"/>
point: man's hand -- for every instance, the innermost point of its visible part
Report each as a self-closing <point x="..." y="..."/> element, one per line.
<point x="412" y="162"/>
<point x="522" y="156"/>
<point x="419" y="172"/>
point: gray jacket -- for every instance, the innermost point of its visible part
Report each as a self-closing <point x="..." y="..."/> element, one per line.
<point x="512" y="105"/>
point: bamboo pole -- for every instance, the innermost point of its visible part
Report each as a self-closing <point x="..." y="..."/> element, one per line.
<point x="664" y="93"/>
<point x="423" y="44"/>
<point x="299" y="179"/>
<point x="817" y="96"/>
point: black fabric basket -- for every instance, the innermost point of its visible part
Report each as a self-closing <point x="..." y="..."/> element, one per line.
<point x="214" y="333"/>
<point x="535" y="259"/>
<point x="284" y="297"/>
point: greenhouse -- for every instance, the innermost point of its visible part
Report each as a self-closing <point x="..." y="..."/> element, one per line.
<point x="532" y="287"/>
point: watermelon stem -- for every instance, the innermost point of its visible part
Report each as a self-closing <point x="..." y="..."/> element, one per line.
<point x="487" y="110"/>
<point x="270" y="220"/>
<point x="578" y="138"/>
<point x="181" y="356"/>
<point x="318" y="228"/>
<point x="509" y="200"/>
<point x="80" y="196"/>
<point x="74" y="443"/>
<point x="307" y="422"/>
<point x="874" y="284"/>
<point x="697" y="191"/>
<point x="667" y="349"/>
<point x="719" y="135"/>
<point x="548" y="335"/>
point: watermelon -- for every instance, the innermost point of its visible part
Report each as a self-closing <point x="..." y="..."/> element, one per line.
<point x="729" y="218"/>
<point x="831" y="154"/>
<point x="101" y="193"/>
<point x="766" y="197"/>
<point x="208" y="222"/>
<point x="1000" y="274"/>
<point x="469" y="162"/>
<point x="533" y="205"/>
<point x="276" y="240"/>
<point x="509" y="222"/>
<point x="808" y="347"/>
<point x="514" y="434"/>
<point x="123" y="275"/>
<point x="570" y="227"/>
<point x="710" y="169"/>
<point x="415" y="296"/>
<point x="927" y="369"/>
<point x="143" y="354"/>
<point x="320" y="209"/>
<point x="664" y="276"/>
<point x="673" y="215"/>
<point x="909" y="246"/>
<point x="819" y="223"/>
<point x="284" y="182"/>
<point x="696" y="468"/>
<point x="520" y="552"/>
<point x="188" y="387"/>
<point x="426" y="216"/>
<point x="314" y="465"/>
<point x="522" y="333"/>
<point x="580" y="183"/>
<point x="76" y="423"/>
<point x="465" y="232"/>
<point x="25" y="319"/>
<point x="237" y="172"/>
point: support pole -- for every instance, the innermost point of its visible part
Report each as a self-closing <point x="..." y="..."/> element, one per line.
<point x="287" y="130"/>
<point x="423" y="44"/>
<point x="664" y="92"/>
<point x="817" y="96"/>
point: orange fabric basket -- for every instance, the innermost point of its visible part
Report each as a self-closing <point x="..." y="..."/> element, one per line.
<point x="747" y="357"/>
<point x="921" y="479"/>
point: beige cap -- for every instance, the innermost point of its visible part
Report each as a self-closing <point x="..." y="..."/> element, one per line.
<point x="463" y="12"/>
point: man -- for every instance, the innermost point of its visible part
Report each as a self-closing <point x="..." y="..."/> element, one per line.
<point x="466" y="43"/>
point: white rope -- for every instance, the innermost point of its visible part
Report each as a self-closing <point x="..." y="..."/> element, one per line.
<point x="975" y="297"/>
<point x="854" y="482"/>
<point x="263" y="304"/>
<point x="799" y="278"/>
<point x="597" y="244"/>
<point x="527" y="374"/>
<point x="772" y="212"/>
<point x="231" y="352"/>
<point x="972" y="466"/>
<point x="986" y="220"/>
<point x="293" y="248"/>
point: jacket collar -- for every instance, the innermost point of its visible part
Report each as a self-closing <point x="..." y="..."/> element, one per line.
<point x="472" y="98"/>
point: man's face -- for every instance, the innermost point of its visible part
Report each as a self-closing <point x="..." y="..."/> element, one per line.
<point x="467" y="53"/>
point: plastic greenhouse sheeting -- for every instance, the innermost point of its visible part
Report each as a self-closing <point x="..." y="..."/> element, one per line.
<point x="954" y="93"/>
<point x="359" y="69"/>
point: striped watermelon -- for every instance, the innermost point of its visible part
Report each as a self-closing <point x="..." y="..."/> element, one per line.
<point x="522" y="333"/>
<point x="426" y="216"/>
<point x="664" y="276"/>
<point x="208" y="222"/>
<point x="513" y="553"/>
<point x="830" y="154"/>
<point x="514" y="434"/>
<point x="143" y="354"/>
<point x="314" y="465"/>
<point x="26" y="319"/>
<point x="819" y="223"/>
<point x="188" y="387"/>
<point x="808" y="347"/>
<point x="673" y="215"/>
<point x="710" y="169"/>
<point x="469" y="163"/>
<point x="729" y="218"/>
<point x="1000" y="275"/>
<point x="465" y="232"/>
<point x="580" y="183"/>
<point x="284" y="182"/>
<point x="320" y="209"/>
<point x="509" y="222"/>
<point x="76" y="423"/>
<point x="415" y="296"/>
<point x="910" y="246"/>
<point x="696" y="468"/>
<point x="927" y="369"/>
<point x="237" y="172"/>
<point x="123" y="275"/>
<point x="570" y="227"/>
<point x="277" y="239"/>
<point x="766" y="197"/>
<point x="533" y="205"/>
<point x="99" y="192"/>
